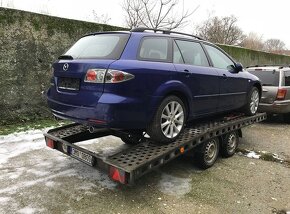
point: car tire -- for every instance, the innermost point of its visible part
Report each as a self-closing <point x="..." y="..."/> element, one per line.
<point x="253" y="100"/>
<point x="169" y="120"/>
<point x="207" y="153"/>
<point x="229" y="144"/>
<point x="132" y="139"/>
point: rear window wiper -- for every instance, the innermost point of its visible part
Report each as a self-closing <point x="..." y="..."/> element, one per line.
<point x="65" y="57"/>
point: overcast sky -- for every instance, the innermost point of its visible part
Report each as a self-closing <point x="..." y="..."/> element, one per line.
<point x="268" y="18"/>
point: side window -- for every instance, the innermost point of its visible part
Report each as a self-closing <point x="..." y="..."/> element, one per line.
<point x="219" y="59"/>
<point x="287" y="78"/>
<point x="192" y="53"/>
<point x="154" y="48"/>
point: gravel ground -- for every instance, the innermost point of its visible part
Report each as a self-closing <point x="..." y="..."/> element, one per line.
<point x="36" y="179"/>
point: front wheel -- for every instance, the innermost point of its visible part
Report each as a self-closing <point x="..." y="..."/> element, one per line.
<point x="168" y="121"/>
<point x="253" y="100"/>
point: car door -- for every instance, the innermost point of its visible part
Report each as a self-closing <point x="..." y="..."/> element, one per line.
<point x="234" y="85"/>
<point x="193" y="68"/>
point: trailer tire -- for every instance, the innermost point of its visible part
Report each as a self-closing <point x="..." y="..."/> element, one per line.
<point x="207" y="153"/>
<point x="229" y="144"/>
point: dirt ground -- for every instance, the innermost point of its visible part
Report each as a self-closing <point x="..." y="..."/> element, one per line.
<point x="36" y="179"/>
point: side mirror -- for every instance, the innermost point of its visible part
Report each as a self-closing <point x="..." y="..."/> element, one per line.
<point x="239" y="67"/>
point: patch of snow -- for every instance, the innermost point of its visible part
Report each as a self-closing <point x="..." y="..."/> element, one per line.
<point x="30" y="210"/>
<point x="15" y="144"/>
<point x="50" y="184"/>
<point x="253" y="154"/>
<point x="45" y="170"/>
<point x="175" y="186"/>
<point x="4" y="200"/>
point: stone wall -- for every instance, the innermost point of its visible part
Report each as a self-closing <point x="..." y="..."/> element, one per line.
<point x="251" y="57"/>
<point x="30" y="42"/>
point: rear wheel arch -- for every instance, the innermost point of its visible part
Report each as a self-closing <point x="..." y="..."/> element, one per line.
<point x="183" y="98"/>
<point x="259" y="87"/>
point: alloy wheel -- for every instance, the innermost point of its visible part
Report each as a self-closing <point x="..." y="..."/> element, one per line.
<point x="254" y="102"/>
<point x="172" y="119"/>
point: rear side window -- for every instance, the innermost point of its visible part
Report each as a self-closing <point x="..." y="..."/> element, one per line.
<point x="287" y="78"/>
<point x="268" y="78"/>
<point x="192" y="53"/>
<point x="154" y="49"/>
<point x="100" y="46"/>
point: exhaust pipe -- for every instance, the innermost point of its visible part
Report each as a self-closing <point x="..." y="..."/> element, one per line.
<point x="92" y="129"/>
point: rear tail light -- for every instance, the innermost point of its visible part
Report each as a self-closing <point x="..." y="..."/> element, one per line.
<point x="115" y="76"/>
<point x="281" y="94"/>
<point x="95" y="75"/>
<point x="111" y="76"/>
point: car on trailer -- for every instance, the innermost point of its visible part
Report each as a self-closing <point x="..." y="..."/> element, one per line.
<point x="148" y="80"/>
<point x="276" y="88"/>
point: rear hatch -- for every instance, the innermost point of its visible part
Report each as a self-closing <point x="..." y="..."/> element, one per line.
<point x="270" y="78"/>
<point x="79" y="73"/>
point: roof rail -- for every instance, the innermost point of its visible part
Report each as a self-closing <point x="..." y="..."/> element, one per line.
<point x="143" y="29"/>
<point x="270" y="65"/>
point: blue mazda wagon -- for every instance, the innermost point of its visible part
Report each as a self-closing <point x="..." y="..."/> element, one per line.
<point x="148" y="80"/>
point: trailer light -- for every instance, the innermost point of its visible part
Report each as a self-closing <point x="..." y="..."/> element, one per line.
<point x="181" y="150"/>
<point x="50" y="143"/>
<point x="117" y="175"/>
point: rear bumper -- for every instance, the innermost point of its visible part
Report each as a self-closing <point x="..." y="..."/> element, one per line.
<point x="111" y="111"/>
<point x="278" y="107"/>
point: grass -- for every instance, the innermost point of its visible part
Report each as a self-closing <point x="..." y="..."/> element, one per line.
<point x="28" y="125"/>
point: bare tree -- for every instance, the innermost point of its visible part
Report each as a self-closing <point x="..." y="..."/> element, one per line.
<point x="156" y="14"/>
<point x="101" y="18"/>
<point x="274" y="46"/>
<point x="253" y="41"/>
<point x="222" y="30"/>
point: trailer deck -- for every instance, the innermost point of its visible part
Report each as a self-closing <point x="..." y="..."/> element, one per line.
<point x="131" y="163"/>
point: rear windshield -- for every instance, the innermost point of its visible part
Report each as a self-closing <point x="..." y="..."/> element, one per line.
<point x="100" y="46"/>
<point x="268" y="78"/>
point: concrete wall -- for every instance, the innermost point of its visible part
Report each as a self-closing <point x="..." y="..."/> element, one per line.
<point x="30" y="42"/>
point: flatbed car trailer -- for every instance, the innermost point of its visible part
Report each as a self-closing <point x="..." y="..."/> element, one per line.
<point x="204" y="139"/>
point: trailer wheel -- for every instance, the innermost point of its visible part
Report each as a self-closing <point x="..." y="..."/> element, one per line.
<point x="207" y="153"/>
<point x="229" y="144"/>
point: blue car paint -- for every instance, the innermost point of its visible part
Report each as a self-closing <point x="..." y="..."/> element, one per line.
<point x="132" y="104"/>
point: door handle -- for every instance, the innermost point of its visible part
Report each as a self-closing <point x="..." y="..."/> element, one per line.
<point x="187" y="74"/>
